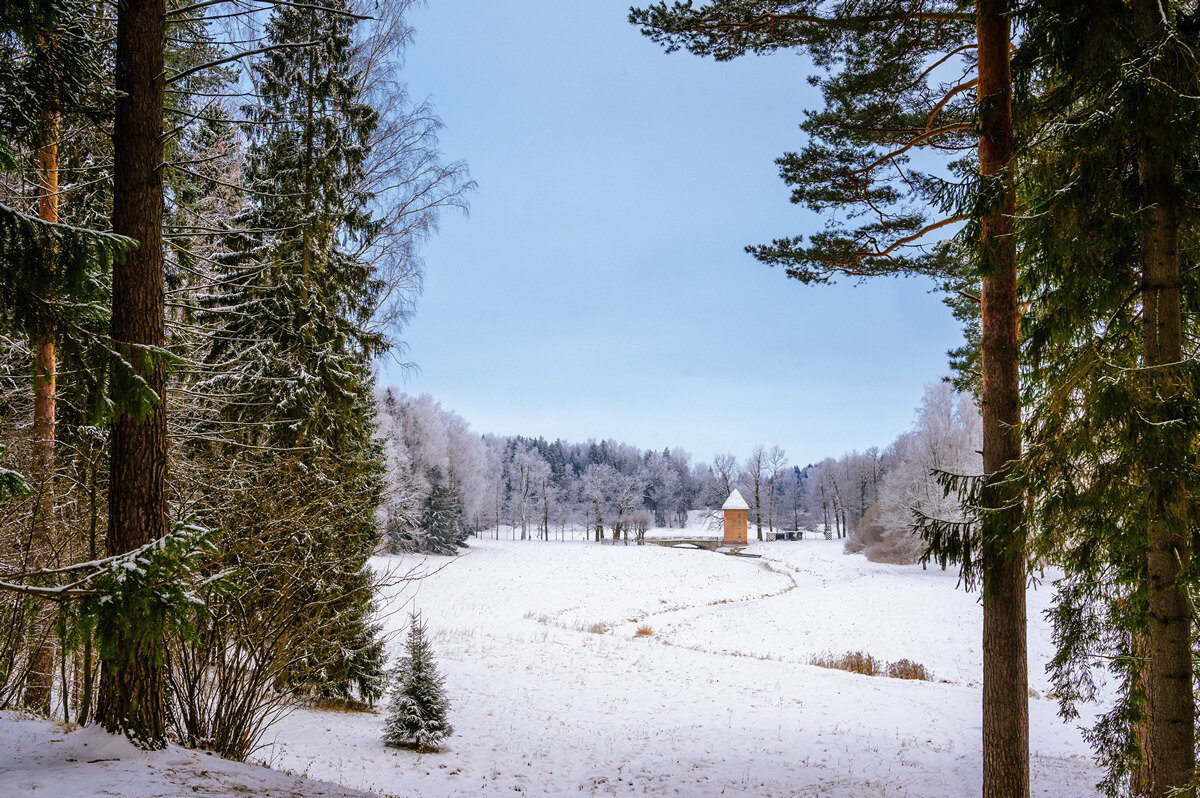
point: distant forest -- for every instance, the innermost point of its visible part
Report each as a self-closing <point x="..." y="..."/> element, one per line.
<point x="544" y="489"/>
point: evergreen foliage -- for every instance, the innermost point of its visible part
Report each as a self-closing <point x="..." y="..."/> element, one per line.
<point x="417" y="717"/>
<point x="883" y="104"/>
<point x="54" y="276"/>
<point x="1114" y="435"/>
<point x="441" y="528"/>
<point x="293" y="308"/>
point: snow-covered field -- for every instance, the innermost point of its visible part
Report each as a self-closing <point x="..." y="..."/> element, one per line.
<point x="719" y="700"/>
<point x="553" y="694"/>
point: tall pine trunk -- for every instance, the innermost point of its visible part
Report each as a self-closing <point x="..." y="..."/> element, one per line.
<point x="1172" y="704"/>
<point x="1005" y="665"/>
<point x="131" y="685"/>
<point x="39" y="680"/>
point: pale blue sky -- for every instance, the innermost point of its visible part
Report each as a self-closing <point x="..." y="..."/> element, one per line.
<point x="599" y="287"/>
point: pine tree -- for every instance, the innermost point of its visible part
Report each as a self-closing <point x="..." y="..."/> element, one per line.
<point x="903" y="78"/>
<point x="417" y="718"/>
<point x="132" y="682"/>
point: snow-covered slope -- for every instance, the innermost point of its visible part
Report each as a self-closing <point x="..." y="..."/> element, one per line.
<point x="718" y="700"/>
<point x="37" y="759"/>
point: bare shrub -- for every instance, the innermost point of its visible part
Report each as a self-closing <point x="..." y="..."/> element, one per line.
<point x="867" y="533"/>
<point x="907" y="669"/>
<point x="880" y="544"/>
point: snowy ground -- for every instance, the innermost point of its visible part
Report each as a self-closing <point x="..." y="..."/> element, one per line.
<point x="719" y="700"/>
<point x="554" y="695"/>
<point x="37" y="759"/>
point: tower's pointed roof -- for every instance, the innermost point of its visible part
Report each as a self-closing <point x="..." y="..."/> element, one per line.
<point x="735" y="502"/>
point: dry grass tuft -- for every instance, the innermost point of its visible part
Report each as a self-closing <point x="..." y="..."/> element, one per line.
<point x="855" y="662"/>
<point x="907" y="669"/>
<point x="595" y="628"/>
<point x="860" y="662"/>
<point x="643" y="631"/>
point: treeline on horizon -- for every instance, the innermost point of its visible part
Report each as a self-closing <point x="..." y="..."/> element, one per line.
<point x="542" y="489"/>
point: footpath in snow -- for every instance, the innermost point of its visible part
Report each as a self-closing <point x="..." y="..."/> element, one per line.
<point x="718" y="700"/>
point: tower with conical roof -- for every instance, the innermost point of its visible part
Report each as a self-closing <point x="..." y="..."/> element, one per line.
<point x="736" y="511"/>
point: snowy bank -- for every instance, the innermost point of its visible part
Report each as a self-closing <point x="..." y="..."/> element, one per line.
<point x="38" y="759"/>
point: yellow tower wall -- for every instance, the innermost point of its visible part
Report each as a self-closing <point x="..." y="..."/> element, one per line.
<point x="735" y="526"/>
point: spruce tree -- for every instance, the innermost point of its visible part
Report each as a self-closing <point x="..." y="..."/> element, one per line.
<point x="295" y="307"/>
<point x="417" y="718"/>
<point x="1113" y="438"/>
<point x="442" y="527"/>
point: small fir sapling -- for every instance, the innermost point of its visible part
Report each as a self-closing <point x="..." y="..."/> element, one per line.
<point x="417" y="718"/>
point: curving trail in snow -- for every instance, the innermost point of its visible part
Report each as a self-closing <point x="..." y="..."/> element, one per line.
<point x="719" y="700"/>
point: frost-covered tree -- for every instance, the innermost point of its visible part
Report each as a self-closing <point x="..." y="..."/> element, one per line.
<point x="417" y="434"/>
<point x="754" y="477"/>
<point x="776" y="461"/>
<point x="611" y="496"/>
<point x="526" y="475"/>
<point x="723" y="479"/>
<point x="819" y="493"/>
<point x="945" y="439"/>
<point x="665" y="487"/>
<point x="417" y="717"/>
<point x="792" y="496"/>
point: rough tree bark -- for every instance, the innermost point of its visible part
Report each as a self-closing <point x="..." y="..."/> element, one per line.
<point x="1005" y="666"/>
<point x="131" y="688"/>
<point x="1172" y="703"/>
<point x="39" y="680"/>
